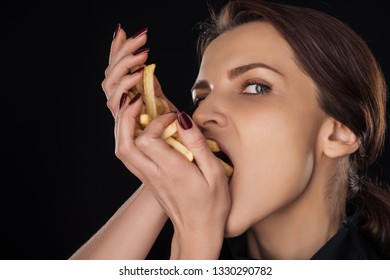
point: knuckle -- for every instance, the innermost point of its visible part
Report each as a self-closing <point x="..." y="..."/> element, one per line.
<point x="197" y="143"/>
<point x="107" y="70"/>
<point x="120" y="151"/>
<point x="110" y="104"/>
<point x="143" y="142"/>
<point x="158" y="125"/>
<point x="103" y="84"/>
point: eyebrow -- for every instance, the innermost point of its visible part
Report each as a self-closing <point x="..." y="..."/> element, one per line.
<point x="201" y="84"/>
<point x="235" y="72"/>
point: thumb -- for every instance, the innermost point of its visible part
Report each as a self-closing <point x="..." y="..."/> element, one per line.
<point x="194" y="140"/>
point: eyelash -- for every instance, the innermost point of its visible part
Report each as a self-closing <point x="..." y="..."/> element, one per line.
<point x="198" y="99"/>
<point x="265" y="87"/>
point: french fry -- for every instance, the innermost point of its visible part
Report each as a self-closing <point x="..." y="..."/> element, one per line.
<point x="154" y="106"/>
<point x="144" y="119"/>
<point x="161" y="108"/>
<point x="213" y="145"/>
<point x="169" y="130"/>
<point x="131" y="94"/>
<point x="165" y="104"/>
<point x="228" y="168"/>
<point x="178" y="146"/>
<point x="148" y="94"/>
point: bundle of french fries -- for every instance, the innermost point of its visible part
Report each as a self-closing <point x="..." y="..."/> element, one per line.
<point x="154" y="106"/>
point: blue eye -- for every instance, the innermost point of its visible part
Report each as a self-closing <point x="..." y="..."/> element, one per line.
<point x="255" y="88"/>
<point x="248" y="88"/>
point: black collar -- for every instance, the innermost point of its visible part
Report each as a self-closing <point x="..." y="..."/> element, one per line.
<point x="349" y="243"/>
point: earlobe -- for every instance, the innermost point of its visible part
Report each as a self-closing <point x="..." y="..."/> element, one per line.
<point x="339" y="139"/>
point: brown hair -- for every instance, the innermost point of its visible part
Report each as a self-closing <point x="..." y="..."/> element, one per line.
<point x="351" y="89"/>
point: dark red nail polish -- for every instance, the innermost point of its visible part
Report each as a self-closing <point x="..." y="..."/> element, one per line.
<point x="135" y="98"/>
<point x="140" y="32"/>
<point x="143" y="50"/>
<point x="184" y="120"/>
<point x="123" y="99"/>
<point x="117" y="27"/>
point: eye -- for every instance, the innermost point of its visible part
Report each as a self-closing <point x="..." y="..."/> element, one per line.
<point x="255" y="88"/>
<point x="198" y="99"/>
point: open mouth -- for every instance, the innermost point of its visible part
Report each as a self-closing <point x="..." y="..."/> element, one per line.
<point x="221" y="155"/>
<point x="218" y="150"/>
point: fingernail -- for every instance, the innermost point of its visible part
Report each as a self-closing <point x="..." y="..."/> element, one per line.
<point x="135" y="98"/>
<point x="140" y="32"/>
<point x="123" y="100"/>
<point x="143" y="50"/>
<point x="184" y="120"/>
<point x="117" y="27"/>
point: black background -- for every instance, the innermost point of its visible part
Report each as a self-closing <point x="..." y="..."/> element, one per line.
<point x="60" y="180"/>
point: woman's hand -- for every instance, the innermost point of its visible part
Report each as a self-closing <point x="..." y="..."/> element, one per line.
<point x="133" y="229"/>
<point x="194" y="196"/>
<point x="125" y="54"/>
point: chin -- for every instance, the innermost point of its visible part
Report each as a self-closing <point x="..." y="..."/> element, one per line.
<point x="235" y="226"/>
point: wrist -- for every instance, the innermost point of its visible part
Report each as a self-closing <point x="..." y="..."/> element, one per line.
<point x="151" y="203"/>
<point x="199" y="245"/>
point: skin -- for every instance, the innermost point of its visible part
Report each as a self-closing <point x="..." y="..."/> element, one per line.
<point x="278" y="140"/>
<point x="117" y="239"/>
<point x="286" y="154"/>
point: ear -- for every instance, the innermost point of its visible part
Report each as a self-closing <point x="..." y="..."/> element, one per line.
<point x="338" y="139"/>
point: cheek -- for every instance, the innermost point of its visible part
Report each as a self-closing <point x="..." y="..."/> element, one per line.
<point x="277" y="163"/>
<point x="280" y="142"/>
<point x="268" y="180"/>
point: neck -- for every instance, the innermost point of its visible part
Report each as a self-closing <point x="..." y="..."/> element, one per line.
<point x="300" y="229"/>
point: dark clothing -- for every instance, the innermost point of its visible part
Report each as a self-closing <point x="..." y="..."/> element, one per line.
<point x="347" y="244"/>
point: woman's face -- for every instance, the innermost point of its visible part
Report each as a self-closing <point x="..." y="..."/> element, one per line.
<point x="262" y="110"/>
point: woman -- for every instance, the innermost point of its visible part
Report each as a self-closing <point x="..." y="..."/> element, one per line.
<point x="297" y="101"/>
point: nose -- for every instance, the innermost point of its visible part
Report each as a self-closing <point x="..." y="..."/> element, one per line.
<point x="211" y="112"/>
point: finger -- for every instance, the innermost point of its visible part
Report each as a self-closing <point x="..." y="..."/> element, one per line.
<point x="118" y="39"/>
<point x="156" y="127"/>
<point x="193" y="139"/>
<point x="127" y="47"/>
<point x="125" y="84"/>
<point x="156" y="148"/>
<point x="125" y="148"/>
<point x="121" y="69"/>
